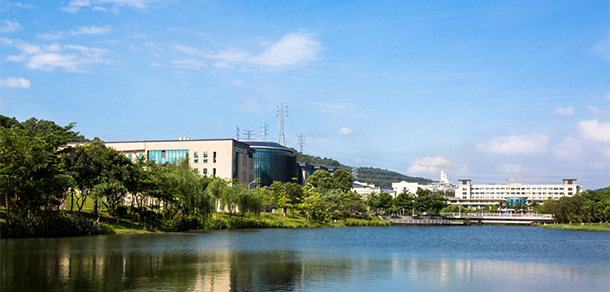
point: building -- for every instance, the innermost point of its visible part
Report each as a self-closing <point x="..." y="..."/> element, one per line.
<point x="224" y="158"/>
<point x="411" y="187"/>
<point x="273" y="162"/>
<point x="479" y="195"/>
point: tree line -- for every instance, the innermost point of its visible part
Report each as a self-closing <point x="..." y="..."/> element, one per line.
<point x="589" y="206"/>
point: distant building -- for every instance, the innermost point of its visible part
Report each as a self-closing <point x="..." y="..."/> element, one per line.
<point x="411" y="187"/>
<point x="225" y="158"/>
<point x="479" y="195"/>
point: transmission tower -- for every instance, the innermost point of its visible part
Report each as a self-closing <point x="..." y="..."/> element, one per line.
<point x="236" y="132"/>
<point x="282" y="111"/>
<point x="248" y="133"/>
<point x="265" y="132"/>
<point x="354" y="172"/>
<point x="301" y="143"/>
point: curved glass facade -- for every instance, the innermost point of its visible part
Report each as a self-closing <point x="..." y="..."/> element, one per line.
<point x="274" y="165"/>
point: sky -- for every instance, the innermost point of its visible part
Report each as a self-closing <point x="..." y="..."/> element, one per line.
<point x="484" y="90"/>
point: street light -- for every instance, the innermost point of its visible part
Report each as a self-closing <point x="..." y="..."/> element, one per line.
<point x="251" y="183"/>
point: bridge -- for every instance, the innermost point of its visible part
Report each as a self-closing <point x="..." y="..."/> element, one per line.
<point x="421" y="220"/>
<point x="499" y="218"/>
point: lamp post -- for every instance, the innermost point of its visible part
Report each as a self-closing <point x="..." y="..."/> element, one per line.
<point x="251" y="184"/>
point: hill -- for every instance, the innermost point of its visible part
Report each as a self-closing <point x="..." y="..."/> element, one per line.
<point x="377" y="176"/>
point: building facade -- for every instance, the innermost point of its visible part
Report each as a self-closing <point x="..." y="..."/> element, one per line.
<point x="273" y="162"/>
<point x="478" y="195"/>
<point x="225" y="158"/>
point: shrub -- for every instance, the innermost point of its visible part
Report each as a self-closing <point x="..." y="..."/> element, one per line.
<point x="183" y="223"/>
<point x="51" y="225"/>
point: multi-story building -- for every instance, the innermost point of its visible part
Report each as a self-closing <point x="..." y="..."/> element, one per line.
<point x="476" y="195"/>
<point x="225" y="158"/>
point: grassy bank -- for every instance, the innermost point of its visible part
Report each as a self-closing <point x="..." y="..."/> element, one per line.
<point x="577" y="226"/>
<point x="83" y="223"/>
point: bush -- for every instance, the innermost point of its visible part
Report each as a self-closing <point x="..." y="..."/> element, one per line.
<point x="184" y="223"/>
<point x="51" y="225"/>
<point x="238" y="223"/>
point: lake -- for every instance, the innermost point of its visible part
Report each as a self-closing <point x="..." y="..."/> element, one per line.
<point x="324" y="259"/>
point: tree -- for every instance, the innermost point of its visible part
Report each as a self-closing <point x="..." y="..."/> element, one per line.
<point x="31" y="170"/>
<point x="405" y="201"/>
<point x="321" y="179"/>
<point x="342" y="180"/>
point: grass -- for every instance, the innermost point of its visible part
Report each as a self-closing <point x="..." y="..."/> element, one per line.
<point x="577" y="226"/>
<point x="301" y="222"/>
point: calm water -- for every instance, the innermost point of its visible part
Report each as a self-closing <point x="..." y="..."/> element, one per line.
<point x="344" y="259"/>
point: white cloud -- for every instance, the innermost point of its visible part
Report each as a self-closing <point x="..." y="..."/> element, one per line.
<point x="427" y="165"/>
<point x="50" y="36"/>
<point x="227" y="57"/>
<point x="75" y="5"/>
<point x="346" y="131"/>
<point x="188" y="64"/>
<point x="516" y="144"/>
<point x="292" y="49"/>
<point x="10" y="26"/>
<point x="92" y="29"/>
<point x="596" y="110"/>
<point x="564" y="111"/>
<point x="25" y="6"/>
<point x="155" y="64"/>
<point x="509" y="168"/>
<point x="569" y="147"/>
<point x="607" y="95"/>
<point x="83" y="30"/>
<point x="15" y="82"/>
<point x="188" y="50"/>
<point x="49" y="57"/>
<point x="603" y="49"/>
<point x="594" y="130"/>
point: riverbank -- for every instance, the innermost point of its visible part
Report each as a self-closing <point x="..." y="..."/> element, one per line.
<point x="63" y="223"/>
<point x="577" y="226"/>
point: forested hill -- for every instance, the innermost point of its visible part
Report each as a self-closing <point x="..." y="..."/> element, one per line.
<point x="377" y="176"/>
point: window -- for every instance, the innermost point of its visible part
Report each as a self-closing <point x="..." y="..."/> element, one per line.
<point x="205" y="157"/>
<point x="464" y="189"/>
<point x="464" y="182"/>
<point x="214" y="171"/>
<point x="196" y="157"/>
<point x="205" y="172"/>
<point x="140" y="155"/>
<point x="214" y="157"/>
<point x="569" y="182"/>
<point x="129" y="156"/>
<point x="163" y="154"/>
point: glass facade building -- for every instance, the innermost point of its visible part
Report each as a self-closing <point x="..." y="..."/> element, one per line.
<point x="167" y="156"/>
<point x="273" y="162"/>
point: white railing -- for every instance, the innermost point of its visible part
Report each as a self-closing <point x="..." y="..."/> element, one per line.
<point x="499" y="215"/>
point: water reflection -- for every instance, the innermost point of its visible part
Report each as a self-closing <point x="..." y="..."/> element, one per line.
<point x="266" y="260"/>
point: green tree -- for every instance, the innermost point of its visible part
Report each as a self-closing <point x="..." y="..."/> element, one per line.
<point x="342" y="180"/>
<point x="321" y="179"/>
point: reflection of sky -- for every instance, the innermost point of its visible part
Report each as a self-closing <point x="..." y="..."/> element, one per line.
<point x="312" y="260"/>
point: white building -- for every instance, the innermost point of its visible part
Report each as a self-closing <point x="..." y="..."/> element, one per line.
<point x="475" y="195"/>
<point x="411" y="187"/>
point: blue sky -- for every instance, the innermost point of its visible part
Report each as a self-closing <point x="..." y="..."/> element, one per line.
<point x="484" y="90"/>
